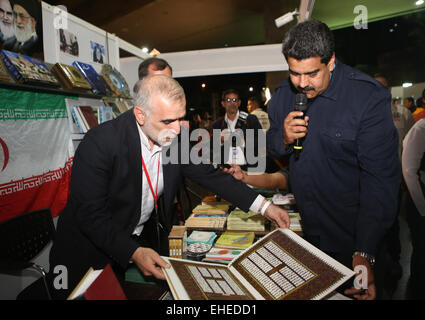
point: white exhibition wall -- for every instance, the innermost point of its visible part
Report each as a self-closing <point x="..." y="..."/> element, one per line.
<point x="233" y="60"/>
<point x="85" y="34"/>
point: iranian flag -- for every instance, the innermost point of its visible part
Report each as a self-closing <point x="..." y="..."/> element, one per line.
<point x="35" y="153"/>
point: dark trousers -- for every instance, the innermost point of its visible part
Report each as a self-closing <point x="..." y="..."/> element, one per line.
<point x="416" y="224"/>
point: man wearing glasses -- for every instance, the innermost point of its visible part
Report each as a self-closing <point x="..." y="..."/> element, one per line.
<point x="236" y="123"/>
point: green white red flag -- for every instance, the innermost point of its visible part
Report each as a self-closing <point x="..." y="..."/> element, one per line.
<point x="35" y="153"/>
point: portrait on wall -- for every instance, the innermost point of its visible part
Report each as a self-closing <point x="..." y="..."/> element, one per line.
<point x="68" y="42"/>
<point x="21" y="26"/>
<point x="97" y="52"/>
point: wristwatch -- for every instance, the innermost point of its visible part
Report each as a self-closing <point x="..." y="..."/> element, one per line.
<point x="367" y="256"/>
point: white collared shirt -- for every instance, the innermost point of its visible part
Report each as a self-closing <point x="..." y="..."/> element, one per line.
<point x="413" y="152"/>
<point x="150" y="157"/>
<point x="236" y="154"/>
<point x="232" y="123"/>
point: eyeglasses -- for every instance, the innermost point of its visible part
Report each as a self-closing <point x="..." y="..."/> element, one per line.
<point x="231" y="99"/>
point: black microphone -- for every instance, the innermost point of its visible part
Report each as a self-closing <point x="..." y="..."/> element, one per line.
<point x="300" y="105"/>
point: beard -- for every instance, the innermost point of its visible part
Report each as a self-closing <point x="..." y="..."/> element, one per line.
<point x="233" y="109"/>
<point x="7" y="29"/>
<point x="164" y="138"/>
<point x="24" y="34"/>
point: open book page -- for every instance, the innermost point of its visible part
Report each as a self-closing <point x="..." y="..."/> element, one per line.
<point x="192" y="280"/>
<point x="282" y="265"/>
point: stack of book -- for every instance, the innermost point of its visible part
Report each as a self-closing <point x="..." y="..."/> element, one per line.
<point x="177" y="241"/>
<point x="249" y="221"/>
<point x="206" y="222"/>
<point x="210" y="217"/>
<point x="211" y="209"/>
<point x="201" y="236"/>
<point x="228" y="246"/>
<point x="295" y="221"/>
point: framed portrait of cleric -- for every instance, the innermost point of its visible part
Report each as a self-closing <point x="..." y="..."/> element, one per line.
<point x="68" y="42"/>
<point x="97" y="52"/>
<point x="21" y="26"/>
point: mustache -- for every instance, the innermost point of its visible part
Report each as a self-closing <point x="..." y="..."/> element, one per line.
<point x="305" y="88"/>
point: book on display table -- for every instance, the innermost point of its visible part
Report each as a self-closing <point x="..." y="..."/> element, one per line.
<point x="279" y="266"/>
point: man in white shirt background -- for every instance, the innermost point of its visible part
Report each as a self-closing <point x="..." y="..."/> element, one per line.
<point x="254" y="107"/>
<point x="413" y="165"/>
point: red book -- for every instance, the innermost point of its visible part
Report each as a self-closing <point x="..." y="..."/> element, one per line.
<point x="99" y="285"/>
<point x="89" y="116"/>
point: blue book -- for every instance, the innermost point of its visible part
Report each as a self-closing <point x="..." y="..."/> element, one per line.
<point x="29" y="70"/>
<point x="105" y="114"/>
<point x="96" y="81"/>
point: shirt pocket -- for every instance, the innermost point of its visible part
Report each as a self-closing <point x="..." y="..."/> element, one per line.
<point x="339" y="143"/>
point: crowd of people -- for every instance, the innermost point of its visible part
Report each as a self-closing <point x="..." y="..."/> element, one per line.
<point x="347" y="180"/>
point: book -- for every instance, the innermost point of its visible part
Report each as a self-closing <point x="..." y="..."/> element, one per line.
<point x="221" y="254"/>
<point x="70" y="77"/>
<point x="78" y="119"/>
<point x="221" y="208"/>
<point x="201" y="236"/>
<point x="247" y="221"/>
<point x="98" y="285"/>
<point x="205" y="223"/>
<point x="4" y="74"/>
<point x="28" y="70"/>
<point x="89" y="117"/>
<point x="280" y="266"/>
<point x="95" y="81"/>
<point x="235" y="239"/>
<point x="105" y="113"/>
<point x="177" y="241"/>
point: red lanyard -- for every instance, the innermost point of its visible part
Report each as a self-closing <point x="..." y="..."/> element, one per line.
<point x="155" y="195"/>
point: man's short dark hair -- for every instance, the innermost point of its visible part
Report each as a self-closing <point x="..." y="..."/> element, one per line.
<point x="410" y="99"/>
<point x="257" y="100"/>
<point x="229" y="91"/>
<point x="309" y="39"/>
<point x="160" y="64"/>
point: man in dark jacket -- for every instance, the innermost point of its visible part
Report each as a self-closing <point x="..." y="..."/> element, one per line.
<point x="346" y="178"/>
<point x="120" y="207"/>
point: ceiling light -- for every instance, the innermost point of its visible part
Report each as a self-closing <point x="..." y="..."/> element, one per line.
<point x="407" y="84"/>
<point x="203" y="85"/>
<point x="145" y="50"/>
<point x="419" y="2"/>
<point x="251" y="89"/>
